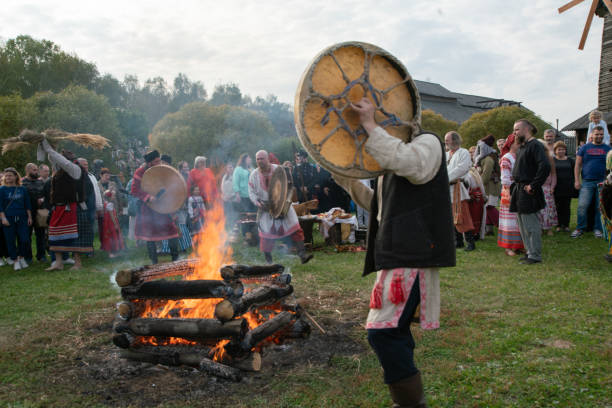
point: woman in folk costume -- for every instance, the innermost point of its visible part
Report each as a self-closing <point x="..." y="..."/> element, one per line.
<point x="487" y="162"/>
<point x="477" y="202"/>
<point x="70" y="229"/>
<point x="508" y="234"/>
<point x="110" y="235"/>
<point x="409" y="238"/>
<point x="152" y="226"/>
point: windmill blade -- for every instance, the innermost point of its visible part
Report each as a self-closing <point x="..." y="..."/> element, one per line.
<point x="608" y="4"/>
<point x="587" y="26"/>
<point x="569" y="5"/>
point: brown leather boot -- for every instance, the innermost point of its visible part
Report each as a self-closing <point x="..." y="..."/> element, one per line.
<point x="408" y="393"/>
<point x="301" y="250"/>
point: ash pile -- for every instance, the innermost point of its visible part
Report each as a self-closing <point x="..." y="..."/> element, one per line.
<point x="219" y="326"/>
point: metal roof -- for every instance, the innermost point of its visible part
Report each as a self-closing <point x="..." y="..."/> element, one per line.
<point x="456" y="106"/>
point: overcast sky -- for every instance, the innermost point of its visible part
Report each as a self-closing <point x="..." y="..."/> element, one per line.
<point x="521" y="49"/>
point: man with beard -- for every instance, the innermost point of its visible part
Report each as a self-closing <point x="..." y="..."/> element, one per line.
<point x="591" y="159"/>
<point x="271" y="229"/>
<point x="530" y="171"/>
<point x="35" y="186"/>
<point x="152" y="226"/>
<point x="409" y="238"/>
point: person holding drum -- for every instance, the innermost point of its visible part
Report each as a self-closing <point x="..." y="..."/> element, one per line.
<point x="410" y="236"/>
<point x="272" y="228"/>
<point x="152" y="226"/>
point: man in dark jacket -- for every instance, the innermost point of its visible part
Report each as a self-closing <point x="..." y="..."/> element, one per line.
<point x="35" y="186"/>
<point x="527" y="198"/>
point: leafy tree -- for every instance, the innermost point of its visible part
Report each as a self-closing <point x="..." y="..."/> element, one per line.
<point x="218" y="132"/>
<point x="227" y="94"/>
<point x="498" y="122"/>
<point x="112" y="88"/>
<point x="279" y="113"/>
<point x="16" y="114"/>
<point x="185" y="91"/>
<point x="29" y="66"/>
<point x="436" y="123"/>
<point x="284" y="148"/>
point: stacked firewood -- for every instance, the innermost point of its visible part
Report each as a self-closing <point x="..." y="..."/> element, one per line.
<point x="261" y="290"/>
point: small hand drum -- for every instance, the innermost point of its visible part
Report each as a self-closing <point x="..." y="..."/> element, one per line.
<point x="168" y="187"/>
<point x="329" y="128"/>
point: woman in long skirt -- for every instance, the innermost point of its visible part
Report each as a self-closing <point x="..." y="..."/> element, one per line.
<point x="508" y="235"/>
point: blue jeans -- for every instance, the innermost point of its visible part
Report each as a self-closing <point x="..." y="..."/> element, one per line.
<point x="18" y="228"/>
<point x="588" y="193"/>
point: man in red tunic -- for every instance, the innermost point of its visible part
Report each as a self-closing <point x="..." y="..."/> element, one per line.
<point x="204" y="178"/>
<point x="152" y="226"/>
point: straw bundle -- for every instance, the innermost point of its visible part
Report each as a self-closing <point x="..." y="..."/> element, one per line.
<point x="29" y="137"/>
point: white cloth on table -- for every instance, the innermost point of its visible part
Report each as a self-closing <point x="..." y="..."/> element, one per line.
<point x="327" y="221"/>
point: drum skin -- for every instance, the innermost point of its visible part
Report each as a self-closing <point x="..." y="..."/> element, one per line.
<point x="329" y="128"/>
<point x="170" y="180"/>
<point x="278" y="193"/>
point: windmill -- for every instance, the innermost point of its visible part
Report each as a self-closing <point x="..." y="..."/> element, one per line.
<point x="603" y="8"/>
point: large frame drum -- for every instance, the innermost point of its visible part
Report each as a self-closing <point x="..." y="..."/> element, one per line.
<point x="329" y="128"/>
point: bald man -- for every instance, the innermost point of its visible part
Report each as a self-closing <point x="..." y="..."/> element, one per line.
<point x="270" y="228"/>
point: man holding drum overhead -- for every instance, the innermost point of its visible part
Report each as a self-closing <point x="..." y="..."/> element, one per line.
<point x="152" y="226"/>
<point x="410" y="236"/>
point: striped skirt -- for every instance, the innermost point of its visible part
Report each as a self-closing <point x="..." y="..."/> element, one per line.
<point x="184" y="240"/>
<point x="509" y="235"/>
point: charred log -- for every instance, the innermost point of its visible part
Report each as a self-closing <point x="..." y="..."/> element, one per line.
<point x="282" y="279"/>
<point x="230" y="272"/>
<point x="185" y="328"/>
<point x="228" y="309"/>
<point x="123" y="340"/>
<point x="248" y="362"/>
<point x="183" y="289"/>
<point x="136" y="276"/>
<point x="300" y="329"/>
<point x="261" y="332"/>
<point x="220" y="370"/>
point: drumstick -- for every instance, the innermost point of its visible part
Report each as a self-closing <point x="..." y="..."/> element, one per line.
<point x="160" y="193"/>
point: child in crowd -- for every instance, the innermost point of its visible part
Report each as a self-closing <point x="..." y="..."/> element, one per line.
<point x="596" y="120"/>
<point x="196" y="210"/>
<point x="110" y="235"/>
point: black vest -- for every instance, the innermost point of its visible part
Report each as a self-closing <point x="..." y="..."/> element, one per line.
<point x="65" y="189"/>
<point x="416" y="228"/>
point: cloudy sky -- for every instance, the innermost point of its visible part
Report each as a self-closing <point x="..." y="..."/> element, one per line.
<point x="521" y="49"/>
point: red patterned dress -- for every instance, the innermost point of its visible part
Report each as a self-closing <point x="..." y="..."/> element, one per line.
<point x="508" y="235"/>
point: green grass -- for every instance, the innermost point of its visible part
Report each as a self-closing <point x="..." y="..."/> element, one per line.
<point x="510" y="336"/>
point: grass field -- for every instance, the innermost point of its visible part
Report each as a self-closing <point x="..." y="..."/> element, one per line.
<point x="510" y="336"/>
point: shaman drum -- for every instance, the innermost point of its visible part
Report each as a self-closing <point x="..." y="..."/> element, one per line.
<point x="326" y="124"/>
<point x="168" y="187"/>
<point x="278" y="193"/>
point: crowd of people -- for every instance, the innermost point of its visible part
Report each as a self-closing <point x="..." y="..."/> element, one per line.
<point x="525" y="187"/>
<point x="63" y="206"/>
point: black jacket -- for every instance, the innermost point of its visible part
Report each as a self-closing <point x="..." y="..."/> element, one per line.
<point x="532" y="167"/>
<point x="416" y="228"/>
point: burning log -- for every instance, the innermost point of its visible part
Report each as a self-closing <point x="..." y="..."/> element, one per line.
<point x="252" y="361"/>
<point x="283" y="279"/>
<point x="228" y="309"/>
<point x="230" y="272"/>
<point x="183" y="289"/>
<point x="253" y="337"/>
<point x="185" y="328"/>
<point x="136" y="276"/>
<point x="220" y="370"/>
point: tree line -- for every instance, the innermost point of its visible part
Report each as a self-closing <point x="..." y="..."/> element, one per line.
<point x="42" y="86"/>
